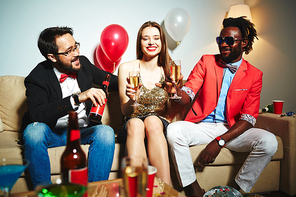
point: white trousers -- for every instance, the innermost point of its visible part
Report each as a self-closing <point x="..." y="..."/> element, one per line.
<point x="261" y="144"/>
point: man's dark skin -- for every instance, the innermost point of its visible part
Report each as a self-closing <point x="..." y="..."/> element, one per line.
<point x="229" y="54"/>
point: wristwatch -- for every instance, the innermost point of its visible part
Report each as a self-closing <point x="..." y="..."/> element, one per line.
<point x="220" y="141"/>
<point x="76" y="99"/>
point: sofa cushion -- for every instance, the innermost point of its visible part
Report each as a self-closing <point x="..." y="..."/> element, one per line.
<point x="12" y="110"/>
<point x="1" y="126"/>
<point x="12" y="102"/>
<point x="116" y="120"/>
<point x="9" y="139"/>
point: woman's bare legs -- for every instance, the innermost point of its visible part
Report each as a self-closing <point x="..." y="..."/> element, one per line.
<point x="135" y="137"/>
<point x="157" y="147"/>
<point x="157" y="144"/>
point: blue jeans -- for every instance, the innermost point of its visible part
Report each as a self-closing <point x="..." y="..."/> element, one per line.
<point x="38" y="137"/>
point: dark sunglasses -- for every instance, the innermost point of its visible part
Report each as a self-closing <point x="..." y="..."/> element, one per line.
<point x="229" y="40"/>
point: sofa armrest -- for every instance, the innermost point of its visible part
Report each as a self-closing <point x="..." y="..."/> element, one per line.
<point x="285" y="128"/>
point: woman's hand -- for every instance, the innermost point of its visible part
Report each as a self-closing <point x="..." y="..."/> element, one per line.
<point x="101" y="191"/>
<point x="130" y="92"/>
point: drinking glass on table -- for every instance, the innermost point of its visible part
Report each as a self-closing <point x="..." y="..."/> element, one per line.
<point x="10" y="171"/>
<point x="175" y="66"/>
<point x="134" y="82"/>
<point x="135" y="176"/>
<point x="61" y="190"/>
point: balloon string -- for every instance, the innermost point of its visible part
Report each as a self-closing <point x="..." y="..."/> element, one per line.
<point x="178" y="42"/>
<point x="114" y="66"/>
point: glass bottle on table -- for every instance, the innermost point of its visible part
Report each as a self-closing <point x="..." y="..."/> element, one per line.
<point x="96" y="112"/>
<point x="73" y="160"/>
<point x="268" y="108"/>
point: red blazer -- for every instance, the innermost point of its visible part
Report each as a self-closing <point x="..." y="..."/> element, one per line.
<point x="243" y="97"/>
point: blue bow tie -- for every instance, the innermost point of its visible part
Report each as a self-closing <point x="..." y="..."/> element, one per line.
<point x="231" y="67"/>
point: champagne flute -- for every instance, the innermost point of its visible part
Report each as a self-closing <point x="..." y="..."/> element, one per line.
<point x="135" y="175"/>
<point x="134" y="82"/>
<point x="175" y="66"/>
<point x="10" y="171"/>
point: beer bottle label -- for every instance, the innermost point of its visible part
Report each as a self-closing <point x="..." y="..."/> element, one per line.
<point x="78" y="176"/>
<point x="99" y="109"/>
<point x="105" y="83"/>
<point x="75" y="135"/>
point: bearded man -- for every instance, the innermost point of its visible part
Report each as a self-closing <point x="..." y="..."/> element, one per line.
<point x="63" y="83"/>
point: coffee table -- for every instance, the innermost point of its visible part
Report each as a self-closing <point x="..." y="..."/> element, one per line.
<point x="114" y="188"/>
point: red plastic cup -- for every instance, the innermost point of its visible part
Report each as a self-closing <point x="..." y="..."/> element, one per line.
<point x="151" y="174"/>
<point x="132" y="184"/>
<point x="134" y="172"/>
<point x="278" y="106"/>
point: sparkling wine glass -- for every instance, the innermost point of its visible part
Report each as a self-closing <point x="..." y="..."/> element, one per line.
<point x="134" y="82"/>
<point x="10" y="171"/>
<point x="135" y="175"/>
<point x="175" y="66"/>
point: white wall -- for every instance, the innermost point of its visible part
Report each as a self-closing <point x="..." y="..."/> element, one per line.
<point x="21" y="22"/>
<point x="274" y="53"/>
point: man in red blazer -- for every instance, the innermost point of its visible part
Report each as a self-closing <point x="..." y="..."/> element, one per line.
<point x="225" y="90"/>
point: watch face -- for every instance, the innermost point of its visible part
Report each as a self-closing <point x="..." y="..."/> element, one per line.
<point x="221" y="142"/>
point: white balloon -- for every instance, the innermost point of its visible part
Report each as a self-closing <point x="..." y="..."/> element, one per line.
<point x="177" y="23"/>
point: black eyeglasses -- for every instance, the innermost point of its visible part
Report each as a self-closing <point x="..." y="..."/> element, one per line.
<point x="229" y="40"/>
<point x="70" y="51"/>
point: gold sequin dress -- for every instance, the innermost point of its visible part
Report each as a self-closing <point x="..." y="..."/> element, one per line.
<point x="153" y="101"/>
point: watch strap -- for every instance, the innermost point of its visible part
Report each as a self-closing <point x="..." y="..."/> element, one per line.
<point x="218" y="139"/>
<point x="76" y="99"/>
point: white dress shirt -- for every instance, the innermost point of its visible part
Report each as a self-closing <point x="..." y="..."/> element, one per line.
<point x="69" y="87"/>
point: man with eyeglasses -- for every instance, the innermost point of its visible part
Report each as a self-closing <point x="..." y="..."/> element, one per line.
<point x="225" y="93"/>
<point x="63" y="83"/>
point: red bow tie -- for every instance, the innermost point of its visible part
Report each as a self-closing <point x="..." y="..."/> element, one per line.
<point x="65" y="76"/>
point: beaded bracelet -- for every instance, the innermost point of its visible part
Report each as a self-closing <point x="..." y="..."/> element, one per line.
<point x="176" y="95"/>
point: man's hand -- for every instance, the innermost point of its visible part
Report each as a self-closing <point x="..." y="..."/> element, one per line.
<point x="209" y="154"/>
<point x="96" y="95"/>
<point x="171" y="86"/>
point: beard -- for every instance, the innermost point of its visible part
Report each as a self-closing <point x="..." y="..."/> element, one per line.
<point x="67" y="66"/>
<point x="233" y="55"/>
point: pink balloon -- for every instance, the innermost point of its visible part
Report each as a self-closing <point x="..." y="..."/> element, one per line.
<point x="103" y="62"/>
<point x="114" y="41"/>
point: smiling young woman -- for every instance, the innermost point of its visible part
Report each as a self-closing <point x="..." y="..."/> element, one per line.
<point x="147" y="121"/>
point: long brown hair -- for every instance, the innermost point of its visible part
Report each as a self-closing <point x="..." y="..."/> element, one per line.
<point x="164" y="57"/>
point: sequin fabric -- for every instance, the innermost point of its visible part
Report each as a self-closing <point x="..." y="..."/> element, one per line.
<point x="153" y="101"/>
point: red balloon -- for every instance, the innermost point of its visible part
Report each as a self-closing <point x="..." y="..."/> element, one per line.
<point x="103" y="62"/>
<point x="114" y="41"/>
